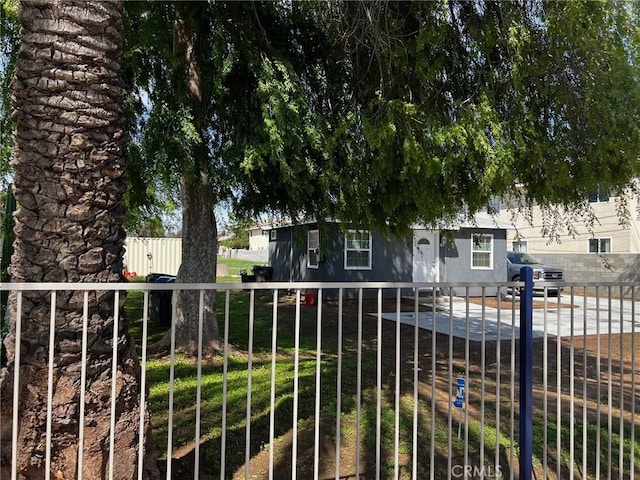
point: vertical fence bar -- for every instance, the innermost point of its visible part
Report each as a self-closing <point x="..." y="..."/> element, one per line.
<point x="225" y="387"/>
<point x="482" y="369"/>
<point x="143" y="383"/>
<point x="296" y="390"/>
<point x="498" y="393"/>
<point x="114" y="377"/>
<point x="52" y="336"/>
<point x="465" y="401"/>
<point x="16" y="389"/>
<point x="359" y="384"/>
<point x="450" y="382"/>
<point x="397" y="404"/>
<point x="609" y="383"/>
<point x="545" y="388"/>
<point x="379" y="387"/>
<point x="622" y="369"/>
<point x="585" y="376"/>
<point x="316" y="449"/>
<point x="272" y="409"/>
<point x="247" y="445"/>
<point x="526" y="375"/>
<point x="416" y="334"/>
<point x="432" y="469"/>
<point x="598" y="386"/>
<point x="512" y="389"/>
<point x="572" y="395"/>
<point x="83" y="382"/>
<point x="196" y="452"/>
<point x="172" y="373"/>
<point x="558" y="390"/>
<point x="632" y="456"/>
<point x="339" y="387"/>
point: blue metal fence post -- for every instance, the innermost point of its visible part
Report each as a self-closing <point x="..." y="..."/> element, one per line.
<point x="526" y="374"/>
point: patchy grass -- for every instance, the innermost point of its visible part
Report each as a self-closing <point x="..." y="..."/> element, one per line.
<point x="358" y="426"/>
<point x="234" y="266"/>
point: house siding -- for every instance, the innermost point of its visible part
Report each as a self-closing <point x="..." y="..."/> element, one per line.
<point x="455" y="265"/>
<point x="391" y="261"/>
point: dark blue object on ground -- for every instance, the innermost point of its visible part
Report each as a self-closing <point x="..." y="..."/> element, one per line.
<point x="160" y="300"/>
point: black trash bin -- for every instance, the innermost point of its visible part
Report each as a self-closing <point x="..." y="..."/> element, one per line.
<point x="263" y="273"/>
<point x="160" y="300"/>
<point x="245" y="277"/>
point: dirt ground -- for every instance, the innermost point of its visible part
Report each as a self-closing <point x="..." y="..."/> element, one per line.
<point x="452" y="357"/>
<point x="585" y="354"/>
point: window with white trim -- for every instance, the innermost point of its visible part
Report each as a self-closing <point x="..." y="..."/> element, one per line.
<point x="495" y="204"/>
<point x="519" y="246"/>
<point x="482" y="251"/>
<point x="273" y="234"/>
<point x="357" y="250"/>
<point x="599" y="245"/>
<point x="599" y="196"/>
<point x="313" y="248"/>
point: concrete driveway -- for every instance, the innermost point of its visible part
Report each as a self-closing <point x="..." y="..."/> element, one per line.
<point x="595" y="316"/>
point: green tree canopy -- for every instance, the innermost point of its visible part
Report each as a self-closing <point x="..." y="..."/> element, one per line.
<point x="8" y="51"/>
<point x="388" y="113"/>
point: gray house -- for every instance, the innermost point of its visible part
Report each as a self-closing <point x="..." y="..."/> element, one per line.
<point x="466" y="252"/>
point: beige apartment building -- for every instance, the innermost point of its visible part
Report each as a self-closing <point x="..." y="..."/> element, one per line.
<point x="259" y="236"/>
<point x="596" y="247"/>
<point x="566" y="233"/>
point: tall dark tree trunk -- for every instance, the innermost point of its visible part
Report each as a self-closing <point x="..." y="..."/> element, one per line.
<point x="199" y="249"/>
<point x="69" y="184"/>
<point x="199" y="231"/>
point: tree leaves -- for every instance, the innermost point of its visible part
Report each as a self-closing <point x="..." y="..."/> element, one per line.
<point x="384" y="114"/>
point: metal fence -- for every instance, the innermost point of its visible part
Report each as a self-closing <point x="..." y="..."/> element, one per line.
<point x="400" y="381"/>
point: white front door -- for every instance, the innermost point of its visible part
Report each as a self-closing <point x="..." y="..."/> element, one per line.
<point x="426" y="264"/>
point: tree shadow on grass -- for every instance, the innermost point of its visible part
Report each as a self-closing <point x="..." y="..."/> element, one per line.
<point x="448" y="449"/>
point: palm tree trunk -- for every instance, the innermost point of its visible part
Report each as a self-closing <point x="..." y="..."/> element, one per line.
<point x="69" y="184"/>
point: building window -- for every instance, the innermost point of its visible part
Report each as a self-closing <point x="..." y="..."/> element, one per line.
<point x="357" y="250"/>
<point x="273" y="234"/>
<point x="482" y="251"/>
<point x="599" y="196"/>
<point x="495" y="203"/>
<point x="519" y="246"/>
<point x="599" y="245"/>
<point x="313" y="248"/>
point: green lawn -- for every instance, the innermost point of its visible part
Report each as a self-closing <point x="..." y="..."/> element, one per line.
<point x="234" y="266"/>
<point x="184" y="389"/>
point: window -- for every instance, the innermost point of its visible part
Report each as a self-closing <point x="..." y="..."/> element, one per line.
<point x="273" y="234"/>
<point x="519" y="246"/>
<point x="482" y="251"/>
<point x="357" y="250"/>
<point x="495" y="203"/>
<point x="599" y="245"/>
<point x="599" y="196"/>
<point x="313" y="248"/>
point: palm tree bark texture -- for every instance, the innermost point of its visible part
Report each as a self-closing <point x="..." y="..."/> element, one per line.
<point x="69" y="185"/>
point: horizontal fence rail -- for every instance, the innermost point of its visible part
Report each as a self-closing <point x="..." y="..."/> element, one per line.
<point x="344" y="380"/>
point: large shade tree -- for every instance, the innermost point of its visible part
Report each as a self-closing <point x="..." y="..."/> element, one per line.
<point x="380" y="114"/>
<point x="209" y="74"/>
<point x="69" y="181"/>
